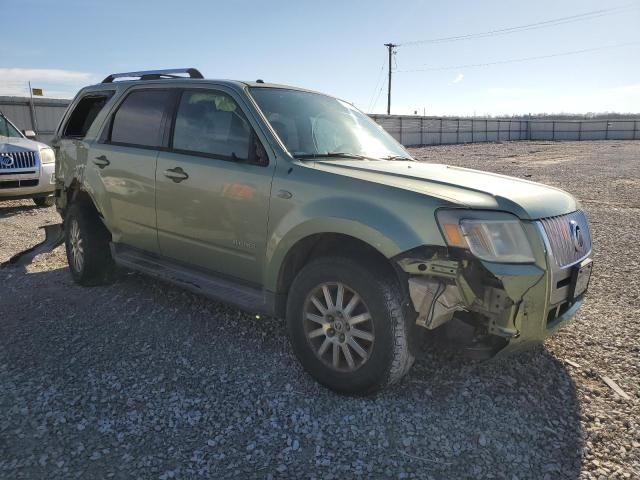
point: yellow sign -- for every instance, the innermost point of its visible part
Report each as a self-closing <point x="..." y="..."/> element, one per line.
<point x="37" y="92"/>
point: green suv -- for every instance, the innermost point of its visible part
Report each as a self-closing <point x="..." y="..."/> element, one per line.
<point x="295" y="204"/>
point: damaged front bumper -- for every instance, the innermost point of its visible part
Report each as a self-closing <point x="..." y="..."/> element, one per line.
<point x="504" y="307"/>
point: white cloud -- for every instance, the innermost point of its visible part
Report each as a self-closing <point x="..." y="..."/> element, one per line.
<point x="55" y="82"/>
<point x="458" y="78"/>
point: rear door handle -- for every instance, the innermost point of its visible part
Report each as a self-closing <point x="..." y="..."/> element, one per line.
<point x="176" y="174"/>
<point x="101" y="161"/>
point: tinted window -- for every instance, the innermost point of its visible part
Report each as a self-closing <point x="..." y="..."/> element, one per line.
<point x="139" y="119"/>
<point x="7" y="130"/>
<point x="212" y="123"/>
<point x="84" y="114"/>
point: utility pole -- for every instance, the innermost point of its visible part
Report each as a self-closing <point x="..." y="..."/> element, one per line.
<point x="32" y="110"/>
<point x="390" y="47"/>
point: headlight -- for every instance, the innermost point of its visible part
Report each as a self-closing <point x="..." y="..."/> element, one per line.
<point x="491" y="236"/>
<point x="47" y="156"/>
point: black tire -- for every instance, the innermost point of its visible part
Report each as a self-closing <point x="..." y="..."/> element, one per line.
<point x="82" y="225"/>
<point x="389" y="355"/>
<point x="44" y="201"/>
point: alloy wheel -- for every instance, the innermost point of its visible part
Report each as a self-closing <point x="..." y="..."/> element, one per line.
<point x="77" y="249"/>
<point x="338" y="326"/>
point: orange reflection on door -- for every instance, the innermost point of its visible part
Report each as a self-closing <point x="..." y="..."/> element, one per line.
<point x="238" y="191"/>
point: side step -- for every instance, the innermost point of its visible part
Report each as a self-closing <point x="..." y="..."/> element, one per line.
<point x="227" y="291"/>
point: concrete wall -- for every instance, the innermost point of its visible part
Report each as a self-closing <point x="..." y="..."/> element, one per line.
<point x="408" y="130"/>
<point x="414" y="130"/>
<point x="585" y="129"/>
<point x="47" y="113"/>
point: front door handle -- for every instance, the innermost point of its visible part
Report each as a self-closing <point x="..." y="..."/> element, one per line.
<point x="101" y="161"/>
<point x="176" y="174"/>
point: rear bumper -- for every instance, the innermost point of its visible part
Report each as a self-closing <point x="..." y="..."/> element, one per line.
<point x="39" y="184"/>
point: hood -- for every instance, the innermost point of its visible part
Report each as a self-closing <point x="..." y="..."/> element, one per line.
<point x="12" y="144"/>
<point x="460" y="186"/>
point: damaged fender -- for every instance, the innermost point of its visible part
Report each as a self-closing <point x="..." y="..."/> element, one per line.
<point x="493" y="293"/>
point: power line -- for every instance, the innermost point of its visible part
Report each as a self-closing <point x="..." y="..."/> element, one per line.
<point x="520" y="28"/>
<point x="504" y="31"/>
<point x="375" y="89"/>
<point x="377" y="98"/>
<point x="514" y="60"/>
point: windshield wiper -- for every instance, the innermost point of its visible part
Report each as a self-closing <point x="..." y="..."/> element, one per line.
<point x="305" y="156"/>
<point x="399" y="158"/>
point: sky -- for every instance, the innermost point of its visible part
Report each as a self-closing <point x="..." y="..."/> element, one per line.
<point x="337" y="47"/>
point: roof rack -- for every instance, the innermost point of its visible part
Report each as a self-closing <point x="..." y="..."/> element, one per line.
<point x="155" y="74"/>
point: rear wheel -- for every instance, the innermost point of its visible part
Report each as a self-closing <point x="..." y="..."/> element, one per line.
<point x="347" y="326"/>
<point x="44" y="201"/>
<point x="87" y="244"/>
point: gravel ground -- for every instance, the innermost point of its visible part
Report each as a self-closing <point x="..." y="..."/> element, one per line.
<point x="140" y="379"/>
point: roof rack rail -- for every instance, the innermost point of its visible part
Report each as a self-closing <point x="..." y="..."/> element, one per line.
<point x="155" y="74"/>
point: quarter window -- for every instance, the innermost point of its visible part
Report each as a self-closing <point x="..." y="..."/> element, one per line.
<point x="212" y="123"/>
<point x="140" y="118"/>
<point x="84" y="114"/>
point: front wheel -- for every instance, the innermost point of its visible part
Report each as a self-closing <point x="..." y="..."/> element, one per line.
<point x="347" y="326"/>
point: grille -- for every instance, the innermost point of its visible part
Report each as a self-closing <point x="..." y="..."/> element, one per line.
<point x="19" y="183"/>
<point x="562" y="232"/>
<point x="20" y="160"/>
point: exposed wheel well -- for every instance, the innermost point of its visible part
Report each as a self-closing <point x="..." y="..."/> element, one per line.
<point x="326" y="244"/>
<point x="75" y="194"/>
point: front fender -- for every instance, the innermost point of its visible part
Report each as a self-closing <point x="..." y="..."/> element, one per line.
<point x="381" y="228"/>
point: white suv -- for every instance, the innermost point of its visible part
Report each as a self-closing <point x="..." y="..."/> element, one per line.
<point x="27" y="167"/>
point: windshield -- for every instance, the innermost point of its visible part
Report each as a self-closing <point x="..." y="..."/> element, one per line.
<point x="8" y="130"/>
<point x="311" y="124"/>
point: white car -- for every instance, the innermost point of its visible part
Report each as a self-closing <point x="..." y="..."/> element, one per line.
<point x="27" y="167"/>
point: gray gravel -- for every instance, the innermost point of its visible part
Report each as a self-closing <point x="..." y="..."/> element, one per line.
<point x="140" y="379"/>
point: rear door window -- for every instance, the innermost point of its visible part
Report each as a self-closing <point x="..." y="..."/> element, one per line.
<point x="84" y="114"/>
<point x="140" y="119"/>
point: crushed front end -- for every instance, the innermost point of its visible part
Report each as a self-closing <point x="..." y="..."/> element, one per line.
<point x="495" y="305"/>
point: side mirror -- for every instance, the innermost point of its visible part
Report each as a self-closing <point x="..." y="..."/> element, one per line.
<point x="29" y="134"/>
